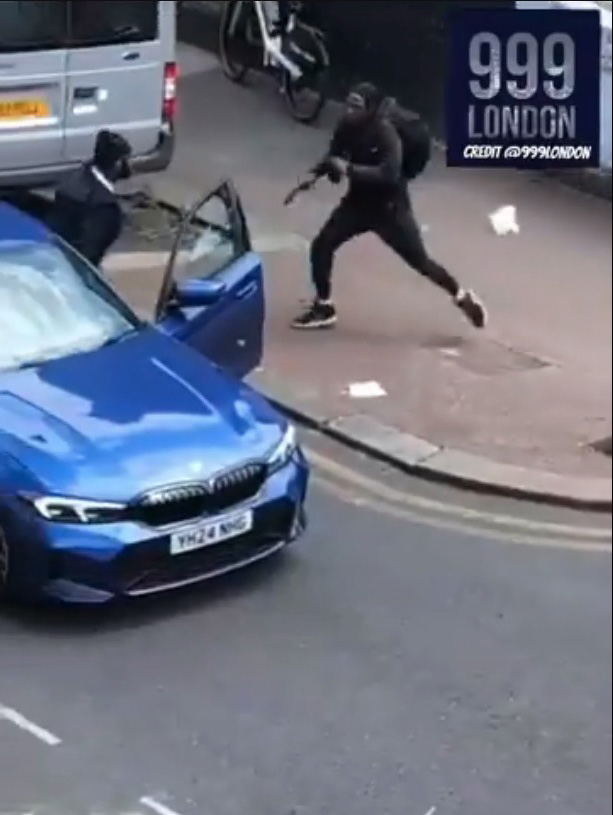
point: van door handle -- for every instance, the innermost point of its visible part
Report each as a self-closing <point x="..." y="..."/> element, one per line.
<point x="130" y="56"/>
<point x="246" y="291"/>
<point x="85" y="93"/>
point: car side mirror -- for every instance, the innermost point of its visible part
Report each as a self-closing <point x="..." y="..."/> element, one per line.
<point x="197" y="292"/>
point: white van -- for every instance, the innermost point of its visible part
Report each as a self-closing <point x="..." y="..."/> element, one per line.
<point x="68" y="69"/>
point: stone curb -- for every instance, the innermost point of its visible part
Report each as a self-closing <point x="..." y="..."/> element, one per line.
<point x="409" y="453"/>
<point x="196" y="28"/>
<point x="418" y="457"/>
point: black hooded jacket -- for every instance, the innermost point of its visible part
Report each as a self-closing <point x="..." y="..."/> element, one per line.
<point x="373" y="150"/>
<point x="86" y="214"/>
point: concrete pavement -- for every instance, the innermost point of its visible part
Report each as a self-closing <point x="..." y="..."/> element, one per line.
<point x="531" y="394"/>
<point x="385" y="666"/>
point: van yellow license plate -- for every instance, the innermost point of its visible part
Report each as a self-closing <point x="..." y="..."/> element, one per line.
<point x="17" y="110"/>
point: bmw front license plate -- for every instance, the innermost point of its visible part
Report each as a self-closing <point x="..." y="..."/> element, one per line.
<point x="211" y="532"/>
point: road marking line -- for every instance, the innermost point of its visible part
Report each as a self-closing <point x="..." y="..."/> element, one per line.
<point x="404" y="514"/>
<point x="392" y="495"/>
<point x="155" y="806"/>
<point x="10" y="715"/>
<point x="431" y="811"/>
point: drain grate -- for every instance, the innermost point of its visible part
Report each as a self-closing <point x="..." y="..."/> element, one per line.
<point x="150" y="220"/>
<point x="491" y="358"/>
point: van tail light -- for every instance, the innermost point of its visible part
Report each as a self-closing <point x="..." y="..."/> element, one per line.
<point x="171" y="75"/>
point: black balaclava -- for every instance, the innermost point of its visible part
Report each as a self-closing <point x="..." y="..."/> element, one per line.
<point x="111" y="155"/>
<point x="371" y="95"/>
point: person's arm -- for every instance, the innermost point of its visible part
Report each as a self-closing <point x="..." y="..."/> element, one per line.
<point x="61" y="217"/>
<point x="337" y="149"/>
<point x="389" y="169"/>
<point x="100" y="231"/>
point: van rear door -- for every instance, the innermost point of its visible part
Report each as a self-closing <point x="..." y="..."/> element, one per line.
<point x="32" y="83"/>
<point x="115" y="74"/>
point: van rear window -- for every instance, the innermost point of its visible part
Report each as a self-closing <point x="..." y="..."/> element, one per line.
<point x="30" y="25"/>
<point x="104" y="22"/>
<point x="36" y="25"/>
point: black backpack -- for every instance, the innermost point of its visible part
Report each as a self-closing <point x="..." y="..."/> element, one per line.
<point x="416" y="140"/>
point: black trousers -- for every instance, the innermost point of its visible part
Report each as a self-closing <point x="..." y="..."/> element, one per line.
<point x="394" y="222"/>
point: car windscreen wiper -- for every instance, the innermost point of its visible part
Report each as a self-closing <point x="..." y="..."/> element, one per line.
<point x="123" y="335"/>
<point x="30" y="363"/>
<point x="53" y="355"/>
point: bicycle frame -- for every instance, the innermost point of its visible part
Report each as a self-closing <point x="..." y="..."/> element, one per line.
<point x="272" y="52"/>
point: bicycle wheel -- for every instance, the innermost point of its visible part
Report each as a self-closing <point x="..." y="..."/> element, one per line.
<point x="307" y="96"/>
<point x="234" y="51"/>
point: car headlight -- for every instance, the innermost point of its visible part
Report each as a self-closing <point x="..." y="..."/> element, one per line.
<point x="74" y="510"/>
<point x="284" y="450"/>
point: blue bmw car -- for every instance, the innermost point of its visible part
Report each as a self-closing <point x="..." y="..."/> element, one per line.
<point x="133" y="458"/>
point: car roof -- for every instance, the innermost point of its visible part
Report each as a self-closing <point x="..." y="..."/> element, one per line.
<point x="16" y="225"/>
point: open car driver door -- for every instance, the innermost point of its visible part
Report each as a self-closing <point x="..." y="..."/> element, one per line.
<point x="212" y="293"/>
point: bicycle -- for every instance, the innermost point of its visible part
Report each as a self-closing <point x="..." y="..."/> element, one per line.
<point x="247" y="39"/>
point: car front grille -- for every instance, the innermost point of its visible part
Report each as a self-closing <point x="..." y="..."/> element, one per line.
<point x="203" y="563"/>
<point x="187" y="502"/>
<point x="148" y="567"/>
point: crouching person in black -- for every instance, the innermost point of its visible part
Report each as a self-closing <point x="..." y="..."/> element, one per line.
<point x="367" y="150"/>
<point x="86" y="210"/>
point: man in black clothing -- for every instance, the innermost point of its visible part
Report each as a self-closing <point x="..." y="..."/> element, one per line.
<point x="367" y="150"/>
<point x="86" y="211"/>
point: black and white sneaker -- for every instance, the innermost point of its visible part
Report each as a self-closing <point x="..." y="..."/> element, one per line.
<point x="317" y="315"/>
<point x="473" y="308"/>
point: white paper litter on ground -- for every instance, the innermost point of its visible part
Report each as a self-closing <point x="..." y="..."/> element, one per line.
<point x="504" y="221"/>
<point x="366" y="390"/>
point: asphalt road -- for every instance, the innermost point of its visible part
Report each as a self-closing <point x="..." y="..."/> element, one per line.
<point x="419" y="653"/>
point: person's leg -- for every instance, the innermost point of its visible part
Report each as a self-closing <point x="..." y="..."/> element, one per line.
<point x="401" y="232"/>
<point x="344" y="223"/>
